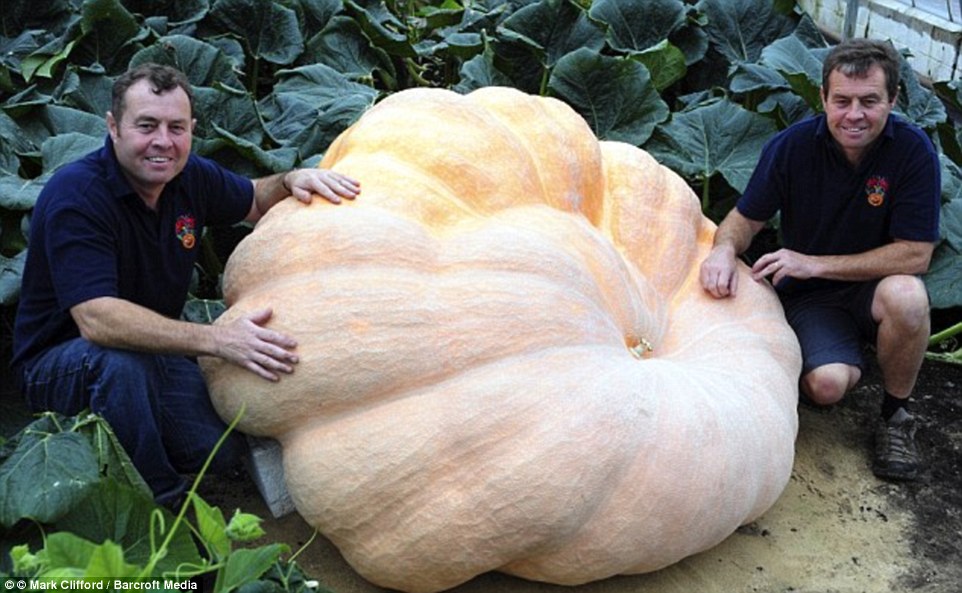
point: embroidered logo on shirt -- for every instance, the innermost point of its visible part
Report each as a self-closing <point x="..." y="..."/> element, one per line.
<point x="875" y="189"/>
<point x="185" y="229"/>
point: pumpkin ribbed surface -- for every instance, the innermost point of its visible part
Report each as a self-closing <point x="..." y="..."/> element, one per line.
<point x="507" y="360"/>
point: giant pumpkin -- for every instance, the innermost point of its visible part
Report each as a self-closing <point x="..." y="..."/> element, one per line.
<point x="507" y="361"/>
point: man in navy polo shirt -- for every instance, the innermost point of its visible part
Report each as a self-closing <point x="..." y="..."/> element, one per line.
<point x="113" y="241"/>
<point x="858" y="189"/>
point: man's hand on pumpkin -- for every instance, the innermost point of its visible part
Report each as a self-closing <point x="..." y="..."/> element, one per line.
<point x="782" y="264"/>
<point x="264" y="352"/>
<point x="719" y="273"/>
<point x="304" y="184"/>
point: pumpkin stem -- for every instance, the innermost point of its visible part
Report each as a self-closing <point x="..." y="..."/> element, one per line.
<point x="640" y="349"/>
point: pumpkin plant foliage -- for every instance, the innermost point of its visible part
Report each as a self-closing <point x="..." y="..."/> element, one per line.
<point x="277" y="80"/>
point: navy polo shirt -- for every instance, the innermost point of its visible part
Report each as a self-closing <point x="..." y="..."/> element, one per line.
<point x="829" y="207"/>
<point x="92" y="236"/>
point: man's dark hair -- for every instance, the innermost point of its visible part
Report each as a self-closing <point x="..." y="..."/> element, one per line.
<point x="854" y="58"/>
<point x="162" y="79"/>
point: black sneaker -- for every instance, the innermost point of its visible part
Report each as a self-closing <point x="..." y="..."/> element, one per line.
<point x="896" y="456"/>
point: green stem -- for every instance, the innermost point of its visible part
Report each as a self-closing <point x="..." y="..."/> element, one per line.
<point x="705" y="195"/>
<point x="545" y="77"/>
<point x="160" y="553"/>
<point x="945" y="334"/>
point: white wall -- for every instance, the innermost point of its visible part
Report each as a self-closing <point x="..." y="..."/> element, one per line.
<point x="935" y="43"/>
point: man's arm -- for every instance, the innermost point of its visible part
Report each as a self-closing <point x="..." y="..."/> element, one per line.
<point x="899" y="257"/>
<point x="303" y="184"/>
<point x="117" y="323"/>
<point x="719" y="271"/>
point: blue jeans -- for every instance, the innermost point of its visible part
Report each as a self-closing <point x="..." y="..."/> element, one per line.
<point x="157" y="405"/>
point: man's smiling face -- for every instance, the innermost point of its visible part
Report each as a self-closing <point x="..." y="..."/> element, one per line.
<point x="152" y="140"/>
<point x="857" y="109"/>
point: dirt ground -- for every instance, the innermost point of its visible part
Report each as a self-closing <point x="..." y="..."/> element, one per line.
<point x="836" y="528"/>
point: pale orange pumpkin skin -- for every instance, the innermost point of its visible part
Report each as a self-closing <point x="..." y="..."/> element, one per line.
<point x="469" y="396"/>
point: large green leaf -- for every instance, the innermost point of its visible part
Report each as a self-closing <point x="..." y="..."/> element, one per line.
<point x="111" y="35"/>
<point x="11" y="275"/>
<point x="637" y="25"/>
<point x="223" y="108"/>
<point x="343" y="46"/>
<point x="741" y="29"/>
<point x="951" y="174"/>
<point x="943" y="281"/>
<point x="720" y="138"/>
<point x="177" y="13"/>
<point x="752" y="78"/>
<point x="384" y="29"/>
<point x="269" y="29"/>
<point x="49" y="471"/>
<point x="614" y="95"/>
<point x="480" y="71"/>
<point x="67" y="120"/>
<point x="12" y="143"/>
<point x="554" y="28"/>
<point x="246" y="565"/>
<point x="17" y="15"/>
<point x="311" y="105"/>
<point x="65" y="148"/>
<point x="203" y="63"/>
<point x="85" y="91"/>
<point x="919" y="103"/>
<point x="122" y="515"/>
<point x="317" y="13"/>
<point x="665" y="62"/>
<point x="798" y="65"/>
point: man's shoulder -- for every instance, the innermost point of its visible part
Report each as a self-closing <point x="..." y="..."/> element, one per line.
<point x="904" y="130"/>
<point x="799" y="135"/>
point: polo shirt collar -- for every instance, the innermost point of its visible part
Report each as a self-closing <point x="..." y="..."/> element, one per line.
<point x="116" y="180"/>
<point x="821" y="131"/>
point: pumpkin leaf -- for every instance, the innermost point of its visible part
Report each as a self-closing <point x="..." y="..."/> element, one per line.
<point x="741" y="29"/>
<point x="343" y="46"/>
<point x="204" y="64"/>
<point x="176" y="13"/>
<point x="480" y="71"/>
<point x="919" y="104"/>
<point x="801" y="69"/>
<point x="311" y="105"/>
<point x="86" y="92"/>
<point x="122" y="515"/>
<point x="634" y="27"/>
<point x="11" y="275"/>
<point x="384" y="29"/>
<point x="554" y="28"/>
<point x="614" y="95"/>
<point x="19" y="14"/>
<point x="665" y="63"/>
<point x="17" y="193"/>
<point x="65" y="148"/>
<point x="110" y="35"/>
<point x="246" y="565"/>
<point x="268" y="29"/>
<point x="225" y="108"/>
<point x="49" y="471"/>
<point x="750" y="78"/>
<point x="212" y="528"/>
<point x="719" y="138"/>
<point x="943" y="281"/>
